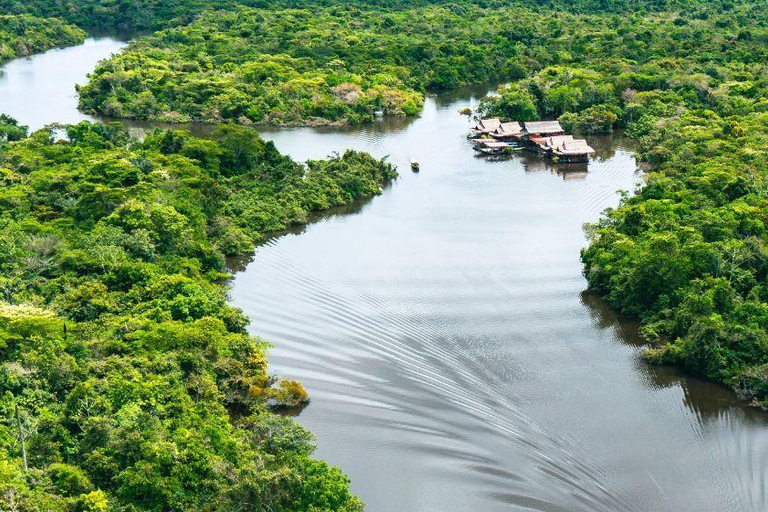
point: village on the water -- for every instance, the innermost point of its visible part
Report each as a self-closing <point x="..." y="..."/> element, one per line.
<point x="546" y="138"/>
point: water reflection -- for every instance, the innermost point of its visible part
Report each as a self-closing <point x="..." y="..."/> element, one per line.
<point x="240" y="263"/>
<point x="707" y="400"/>
<point x="453" y="361"/>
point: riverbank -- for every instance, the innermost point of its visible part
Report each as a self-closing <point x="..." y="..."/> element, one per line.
<point x="444" y="324"/>
<point x="41" y="89"/>
<point x="125" y="268"/>
<point x="22" y="36"/>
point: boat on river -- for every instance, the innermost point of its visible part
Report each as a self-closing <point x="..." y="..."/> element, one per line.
<point x="494" y="147"/>
<point x="414" y="166"/>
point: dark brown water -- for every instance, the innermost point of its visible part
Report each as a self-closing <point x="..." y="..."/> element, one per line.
<point x="454" y="361"/>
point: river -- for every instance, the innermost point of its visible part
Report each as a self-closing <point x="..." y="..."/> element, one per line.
<point x="455" y="362"/>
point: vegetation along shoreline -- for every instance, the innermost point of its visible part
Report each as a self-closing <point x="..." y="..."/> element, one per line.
<point x="116" y="333"/>
<point x="136" y="384"/>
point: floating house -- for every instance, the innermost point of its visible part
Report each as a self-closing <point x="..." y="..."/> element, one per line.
<point x="543" y="128"/>
<point x="563" y="147"/>
<point x="487" y="126"/>
<point x="573" y="151"/>
<point x="549" y="139"/>
<point x="546" y="138"/>
<point x="508" y="131"/>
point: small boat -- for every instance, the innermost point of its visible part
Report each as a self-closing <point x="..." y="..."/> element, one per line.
<point x="414" y="166"/>
<point x="494" y="147"/>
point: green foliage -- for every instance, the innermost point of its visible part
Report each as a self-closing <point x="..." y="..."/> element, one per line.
<point x="121" y="14"/>
<point x="10" y="130"/>
<point x="69" y="480"/>
<point x="328" y="64"/>
<point x="24" y="35"/>
<point x="138" y="384"/>
<point x="598" y="72"/>
<point x="597" y="119"/>
<point x="151" y="14"/>
<point x="688" y="253"/>
<point x="512" y="103"/>
<point x="296" y="66"/>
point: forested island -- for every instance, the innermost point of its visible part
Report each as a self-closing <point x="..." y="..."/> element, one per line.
<point x="117" y="343"/>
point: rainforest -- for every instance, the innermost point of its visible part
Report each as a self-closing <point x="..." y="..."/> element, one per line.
<point x="21" y="36"/>
<point x="128" y="379"/>
<point x="341" y="65"/>
<point x="118" y="341"/>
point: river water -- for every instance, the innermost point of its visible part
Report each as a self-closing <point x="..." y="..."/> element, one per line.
<point x="455" y="362"/>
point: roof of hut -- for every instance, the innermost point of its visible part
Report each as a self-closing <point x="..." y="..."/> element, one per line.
<point x="511" y="128"/>
<point x="556" y="141"/>
<point x="576" y="147"/>
<point x="543" y="127"/>
<point x="489" y="124"/>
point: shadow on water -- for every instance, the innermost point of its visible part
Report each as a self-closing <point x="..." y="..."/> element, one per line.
<point x="385" y="126"/>
<point x="707" y="400"/>
<point x="125" y="36"/>
<point x="471" y="94"/>
<point x="238" y="264"/>
<point x="378" y="127"/>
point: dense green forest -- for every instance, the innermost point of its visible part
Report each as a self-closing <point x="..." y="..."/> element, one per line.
<point x="611" y="71"/>
<point x="341" y="64"/>
<point x="155" y="14"/>
<point x="24" y="35"/>
<point x="137" y="385"/>
<point x="249" y="65"/>
<point x="688" y="254"/>
<point x="121" y="14"/>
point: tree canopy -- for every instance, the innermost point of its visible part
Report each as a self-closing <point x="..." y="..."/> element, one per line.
<point x="24" y="35"/>
<point x="342" y="63"/>
<point x="138" y="386"/>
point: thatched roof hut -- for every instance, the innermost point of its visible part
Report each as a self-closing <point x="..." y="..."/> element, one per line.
<point x="575" y="147"/>
<point x="575" y="150"/>
<point x="507" y="130"/>
<point x="543" y="128"/>
<point x="488" y="125"/>
<point x="564" y="147"/>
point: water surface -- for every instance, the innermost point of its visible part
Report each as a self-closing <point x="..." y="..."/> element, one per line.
<point x="455" y="362"/>
<point x="40" y="89"/>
